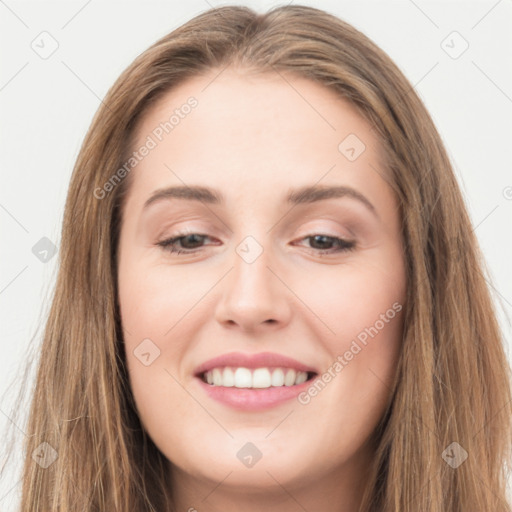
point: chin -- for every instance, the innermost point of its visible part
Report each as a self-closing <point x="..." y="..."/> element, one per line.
<point x="250" y="466"/>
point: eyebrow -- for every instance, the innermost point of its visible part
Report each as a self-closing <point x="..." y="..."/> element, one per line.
<point x="303" y="195"/>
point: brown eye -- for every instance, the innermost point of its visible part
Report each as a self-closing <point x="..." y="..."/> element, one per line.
<point x="325" y="244"/>
<point x="188" y="242"/>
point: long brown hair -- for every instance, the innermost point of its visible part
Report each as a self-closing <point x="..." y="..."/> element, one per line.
<point x="453" y="380"/>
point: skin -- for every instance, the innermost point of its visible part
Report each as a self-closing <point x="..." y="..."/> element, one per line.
<point x="252" y="137"/>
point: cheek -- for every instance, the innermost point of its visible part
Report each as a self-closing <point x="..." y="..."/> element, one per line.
<point x="361" y="302"/>
<point x="153" y="300"/>
<point x="159" y="307"/>
<point x="364" y="314"/>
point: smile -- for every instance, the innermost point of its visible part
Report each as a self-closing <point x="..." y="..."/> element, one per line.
<point x="258" y="378"/>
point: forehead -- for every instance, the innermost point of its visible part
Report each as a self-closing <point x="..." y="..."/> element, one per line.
<point x="253" y="135"/>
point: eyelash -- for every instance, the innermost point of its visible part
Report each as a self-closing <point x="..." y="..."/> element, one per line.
<point x="344" y="245"/>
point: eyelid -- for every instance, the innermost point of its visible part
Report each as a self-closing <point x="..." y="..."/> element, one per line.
<point x="347" y="233"/>
<point x="341" y="244"/>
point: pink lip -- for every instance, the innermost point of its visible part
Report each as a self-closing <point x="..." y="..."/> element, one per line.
<point x="252" y="399"/>
<point x="260" y="360"/>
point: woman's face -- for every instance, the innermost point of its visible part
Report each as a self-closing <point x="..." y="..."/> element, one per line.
<point x="273" y="283"/>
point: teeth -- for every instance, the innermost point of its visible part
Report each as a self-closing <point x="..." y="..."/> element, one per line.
<point x="301" y="377"/>
<point x="289" y="378"/>
<point x="278" y="377"/>
<point x="259" y="378"/>
<point x="217" y="377"/>
<point x="243" y="378"/>
<point x="228" y="378"/>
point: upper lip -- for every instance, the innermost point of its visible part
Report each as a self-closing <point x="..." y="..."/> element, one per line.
<point x="260" y="360"/>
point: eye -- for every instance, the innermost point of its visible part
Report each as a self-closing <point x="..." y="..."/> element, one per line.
<point x="186" y="240"/>
<point x="324" y="244"/>
<point x="188" y="243"/>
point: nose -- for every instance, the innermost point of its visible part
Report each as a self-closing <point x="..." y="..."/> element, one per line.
<point x="254" y="295"/>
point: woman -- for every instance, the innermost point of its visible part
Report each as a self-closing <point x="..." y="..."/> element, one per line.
<point x="269" y="294"/>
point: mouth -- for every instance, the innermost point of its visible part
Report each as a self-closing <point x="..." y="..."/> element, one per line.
<point x="253" y="382"/>
<point x="255" y="378"/>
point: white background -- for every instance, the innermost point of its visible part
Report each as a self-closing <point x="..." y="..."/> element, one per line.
<point x="47" y="105"/>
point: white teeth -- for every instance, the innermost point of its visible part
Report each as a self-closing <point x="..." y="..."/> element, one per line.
<point x="289" y="378"/>
<point x="259" y="378"/>
<point x="278" y="377"/>
<point x="228" y="378"/>
<point x="217" y="377"/>
<point x="243" y="378"/>
<point x="301" y="377"/>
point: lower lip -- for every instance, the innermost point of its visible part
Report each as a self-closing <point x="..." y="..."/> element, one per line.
<point x="249" y="399"/>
